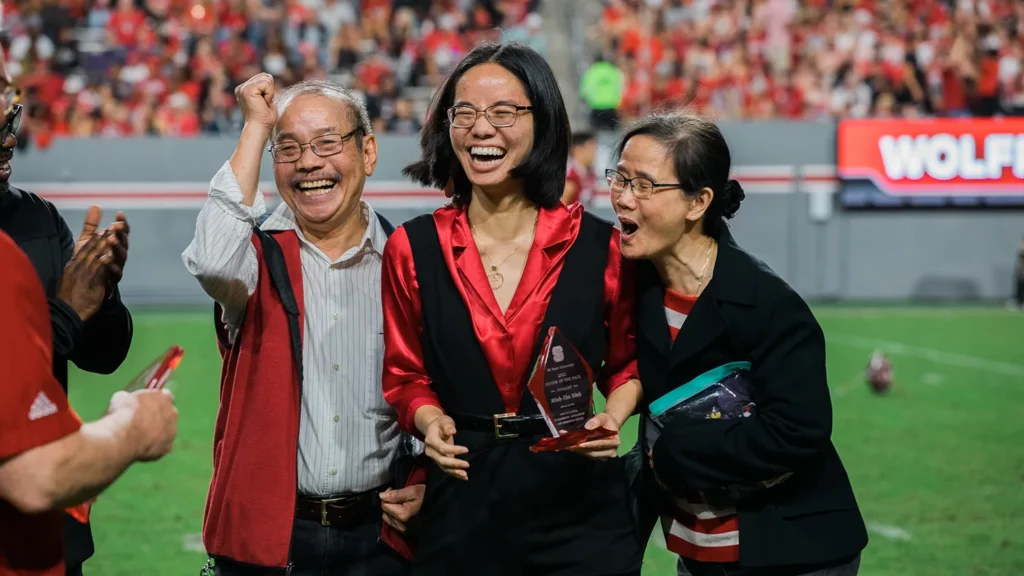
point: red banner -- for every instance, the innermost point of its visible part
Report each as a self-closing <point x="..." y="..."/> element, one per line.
<point x="934" y="157"/>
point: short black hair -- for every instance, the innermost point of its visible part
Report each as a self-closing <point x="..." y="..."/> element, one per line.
<point x="543" y="170"/>
<point x="581" y="137"/>
<point x="700" y="156"/>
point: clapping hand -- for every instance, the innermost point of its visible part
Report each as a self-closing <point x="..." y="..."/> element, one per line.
<point x="96" y="266"/>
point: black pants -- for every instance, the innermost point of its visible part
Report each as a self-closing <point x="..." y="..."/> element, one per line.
<point x="320" y="551"/>
<point x="847" y="567"/>
<point x="1020" y="291"/>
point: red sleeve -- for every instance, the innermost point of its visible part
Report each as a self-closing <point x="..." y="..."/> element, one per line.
<point x="405" y="381"/>
<point x="33" y="407"/>
<point x="619" y="320"/>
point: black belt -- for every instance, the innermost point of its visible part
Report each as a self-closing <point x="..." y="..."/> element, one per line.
<point x="342" y="512"/>
<point x="503" y="425"/>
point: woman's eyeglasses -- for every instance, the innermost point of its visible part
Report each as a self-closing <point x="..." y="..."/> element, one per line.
<point x="499" y="115"/>
<point x="642" y="187"/>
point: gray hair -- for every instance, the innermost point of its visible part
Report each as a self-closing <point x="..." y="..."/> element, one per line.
<point x="357" y="109"/>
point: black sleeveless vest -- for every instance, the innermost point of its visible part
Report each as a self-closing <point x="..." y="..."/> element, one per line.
<point x="453" y="357"/>
<point x="520" y="512"/>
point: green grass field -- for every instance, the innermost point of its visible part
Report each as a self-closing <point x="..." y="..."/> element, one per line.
<point x="937" y="464"/>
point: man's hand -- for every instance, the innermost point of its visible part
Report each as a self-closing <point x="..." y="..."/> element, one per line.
<point x="256" y="99"/>
<point x="401" y="506"/>
<point x="118" y="242"/>
<point x="83" y="285"/>
<point x="605" y="448"/>
<point x="153" y="421"/>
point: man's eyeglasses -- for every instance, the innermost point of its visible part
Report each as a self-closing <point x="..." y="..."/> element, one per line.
<point x="12" y="124"/>
<point x="286" y="151"/>
<point x="8" y="99"/>
<point x="642" y="187"/>
<point x="499" y="115"/>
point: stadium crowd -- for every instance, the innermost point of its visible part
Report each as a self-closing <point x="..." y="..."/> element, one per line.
<point x="813" y="58"/>
<point x="168" y="67"/>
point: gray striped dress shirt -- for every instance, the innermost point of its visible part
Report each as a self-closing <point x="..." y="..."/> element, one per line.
<point x="348" y="434"/>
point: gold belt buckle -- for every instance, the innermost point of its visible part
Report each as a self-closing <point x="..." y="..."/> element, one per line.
<point x="324" y="503"/>
<point x="323" y="513"/>
<point x="497" y="426"/>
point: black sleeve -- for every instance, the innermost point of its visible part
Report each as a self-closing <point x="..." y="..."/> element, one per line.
<point x="99" y="345"/>
<point x="106" y="338"/>
<point x="791" y="424"/>
<point x="66" y="324"/>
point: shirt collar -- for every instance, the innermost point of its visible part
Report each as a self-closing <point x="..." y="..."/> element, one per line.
<point x="282" y="218"/>
<point x="549" y="235"/>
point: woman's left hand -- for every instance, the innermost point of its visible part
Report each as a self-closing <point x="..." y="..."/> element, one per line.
<point x="605" y="448"/>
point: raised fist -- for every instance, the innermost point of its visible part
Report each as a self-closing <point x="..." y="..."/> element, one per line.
<point x="256" y="99"/>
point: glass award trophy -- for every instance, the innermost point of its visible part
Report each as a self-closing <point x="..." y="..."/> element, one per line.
<point x="562" y="386"/>
<point x="153" y="377"/>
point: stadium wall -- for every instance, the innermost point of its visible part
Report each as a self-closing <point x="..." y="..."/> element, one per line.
<point x="789" y="218"/>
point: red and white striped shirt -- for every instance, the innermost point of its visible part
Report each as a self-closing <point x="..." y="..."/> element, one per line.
<point x="694" y="529"/>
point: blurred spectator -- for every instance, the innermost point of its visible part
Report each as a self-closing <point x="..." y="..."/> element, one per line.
<point x="580" y="179"/>
<point x="601" y="89"/>
<point x="1019" y="296"/>
<point x="115" y="68"/>
<point x="753" y="59"/>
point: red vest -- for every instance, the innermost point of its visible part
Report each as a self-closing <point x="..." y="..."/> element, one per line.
<point x="251" y="504"/>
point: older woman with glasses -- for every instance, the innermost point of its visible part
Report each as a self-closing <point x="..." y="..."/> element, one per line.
<point x="756" y="487"/>
<point x="469" y="292"/>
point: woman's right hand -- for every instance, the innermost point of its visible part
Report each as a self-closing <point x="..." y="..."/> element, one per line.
<point x="440" y="447"/>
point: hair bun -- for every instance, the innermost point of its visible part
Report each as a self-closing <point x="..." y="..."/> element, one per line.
<point x="733" y="195"/>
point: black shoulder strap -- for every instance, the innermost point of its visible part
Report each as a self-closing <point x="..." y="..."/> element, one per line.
<point x="386" y="224"/>
<point x="273" y="256"/>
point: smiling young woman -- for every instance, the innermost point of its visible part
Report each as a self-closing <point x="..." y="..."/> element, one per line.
<point x="467" y="292"/>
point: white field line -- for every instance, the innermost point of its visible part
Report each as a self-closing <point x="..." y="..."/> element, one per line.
<point x="930" y="354"/>
<point x="824" y="311"/>
<point x="193" y="543"/>
<point x="888" y="531"/>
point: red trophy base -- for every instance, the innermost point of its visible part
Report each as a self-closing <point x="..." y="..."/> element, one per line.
<point x="571" y="439"/>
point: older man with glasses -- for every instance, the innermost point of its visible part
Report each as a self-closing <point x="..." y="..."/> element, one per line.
<point x="304" y="445"/>
<point x="90" y="325"/>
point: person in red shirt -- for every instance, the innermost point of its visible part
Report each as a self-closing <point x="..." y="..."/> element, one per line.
<point x="467" y="293"/>
<point x="49" y="460"/>
<point x="580" y="181"/>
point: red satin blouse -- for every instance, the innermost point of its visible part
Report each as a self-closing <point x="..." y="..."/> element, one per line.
<point x="508" y="340"/>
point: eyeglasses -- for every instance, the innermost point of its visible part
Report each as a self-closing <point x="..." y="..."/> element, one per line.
<point x="499" y="115"/>
<point x="642" y="188"/>
<point x="8" y="99"/>
<point x="12" y="125"/>
<point x="287" y="151"/>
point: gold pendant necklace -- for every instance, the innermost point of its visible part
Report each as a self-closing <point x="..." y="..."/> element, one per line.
<point x="494" y="277"/>
<point x="707" y="259"/>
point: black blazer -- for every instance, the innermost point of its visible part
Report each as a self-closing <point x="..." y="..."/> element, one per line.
<point x="747" y="312"/>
